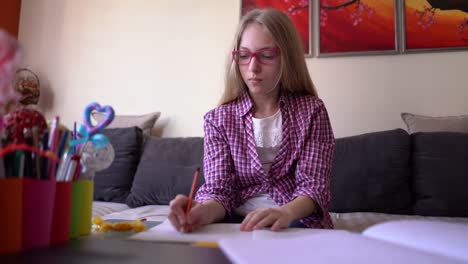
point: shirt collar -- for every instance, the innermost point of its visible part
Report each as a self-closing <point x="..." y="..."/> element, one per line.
<point x="245" y="104"/>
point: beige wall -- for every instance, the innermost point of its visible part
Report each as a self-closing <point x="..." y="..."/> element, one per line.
<point x="164" y="55"/>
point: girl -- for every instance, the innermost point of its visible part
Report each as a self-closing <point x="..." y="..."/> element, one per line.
<point x="268" y="146"/>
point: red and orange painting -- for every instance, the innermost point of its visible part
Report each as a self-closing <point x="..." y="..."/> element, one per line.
<point x="434" y="24"/>
<point x="355" y="26"/>
<point x="297" y="10"/>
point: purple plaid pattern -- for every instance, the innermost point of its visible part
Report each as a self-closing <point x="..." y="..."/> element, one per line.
<point x="233" y="171"/>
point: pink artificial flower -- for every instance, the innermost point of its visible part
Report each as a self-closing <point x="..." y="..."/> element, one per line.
<point x="10" y="57"/>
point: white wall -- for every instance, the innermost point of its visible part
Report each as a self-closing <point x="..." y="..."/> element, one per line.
<point x="146" y="55"/>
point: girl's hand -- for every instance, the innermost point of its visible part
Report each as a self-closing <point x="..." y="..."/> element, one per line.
<point x="190" y="222"/>
<point x="277" y="218"/>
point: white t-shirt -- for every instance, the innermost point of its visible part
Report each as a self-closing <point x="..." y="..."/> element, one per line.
<point x="268" y="134"/>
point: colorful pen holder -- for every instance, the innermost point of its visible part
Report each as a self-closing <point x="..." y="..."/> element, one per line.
<point x="30" y="205"/>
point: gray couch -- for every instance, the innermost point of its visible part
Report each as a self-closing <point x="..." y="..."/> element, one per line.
<point x="376" y="177"/>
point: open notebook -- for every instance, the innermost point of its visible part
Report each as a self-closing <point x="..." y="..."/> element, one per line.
<point x="410" y="241"/>
<point x="215" y="232"/>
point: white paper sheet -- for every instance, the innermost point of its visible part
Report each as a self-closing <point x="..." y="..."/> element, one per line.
<point x="326" y="247"/>
<point x="449" y="239"/>
<point x="212" y="233"/>
<point x="150" y="212"/>
<point x="266" y="234"/>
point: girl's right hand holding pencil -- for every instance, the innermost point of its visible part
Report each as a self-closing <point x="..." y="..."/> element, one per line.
<point x="187" y="215"/>
<point x="187" y="222"/>
<point x="200" y="214"/>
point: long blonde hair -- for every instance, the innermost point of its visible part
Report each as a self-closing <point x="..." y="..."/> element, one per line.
<point x="295" y="76"/>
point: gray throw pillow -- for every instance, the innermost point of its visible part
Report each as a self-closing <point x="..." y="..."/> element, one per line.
<point x="419" y="123"/>
<point x="114" y="183"/>
<point x="440" y="173"/>
<point x="166" y="168"/>
<point x="144" y="122"/>
<point x="371" y="173"/>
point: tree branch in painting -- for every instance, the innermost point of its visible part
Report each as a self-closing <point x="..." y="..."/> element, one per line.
<point x="360" y="10"/>
<point x="463" y="26"/>
<point x="296" y="7"/>
<point x="339" y="6"/>
<point x="461" y="5"/>
<point x="427" y="16"/>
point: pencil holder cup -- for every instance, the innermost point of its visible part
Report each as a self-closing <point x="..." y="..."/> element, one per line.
<point x="29" y="203"/>
<point x="82" y="203"/>
<point x="11" y="201"/>
<point x="62" y="213"/>
<point x="86" y="207"/>
<point x="38" y="207"/>
<point x="77" y="190"/>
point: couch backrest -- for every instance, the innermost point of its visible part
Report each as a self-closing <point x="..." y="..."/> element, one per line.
<point x="387" y="171"/>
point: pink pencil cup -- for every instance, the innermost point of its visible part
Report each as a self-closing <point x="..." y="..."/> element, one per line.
<point x="62" y="213"/>
<point x="38" y="207"/>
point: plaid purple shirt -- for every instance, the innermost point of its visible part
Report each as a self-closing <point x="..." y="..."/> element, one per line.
<point x="234" y="173"/>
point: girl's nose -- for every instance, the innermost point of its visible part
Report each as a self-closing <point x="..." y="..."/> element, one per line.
<point x="254" y="66"/>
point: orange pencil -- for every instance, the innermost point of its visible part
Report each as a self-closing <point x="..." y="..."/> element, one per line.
<point x="192" y="191"/>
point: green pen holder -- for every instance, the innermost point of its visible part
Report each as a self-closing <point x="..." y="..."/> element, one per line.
<point x="86" y="207"/>
<point x="82" y="203"/>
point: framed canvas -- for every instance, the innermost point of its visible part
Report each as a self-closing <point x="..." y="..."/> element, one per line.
<point x="435" y="25"/>
<point x="298" y="10"/>
<point x="356" y="27"/>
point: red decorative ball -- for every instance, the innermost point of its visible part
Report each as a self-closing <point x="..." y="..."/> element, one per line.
<point x="16" y="121"/>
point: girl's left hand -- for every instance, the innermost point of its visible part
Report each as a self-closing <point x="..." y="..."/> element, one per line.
<point x="277" y="218"/>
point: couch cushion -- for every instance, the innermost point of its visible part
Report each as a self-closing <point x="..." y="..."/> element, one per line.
<point x="420" y="123"/>
<point x="166" y="169"/>
<point x="440" y="173"/>
<point x="114" y="183"/>
<point x="371" y="173"/>
<point x="145" y="122"/>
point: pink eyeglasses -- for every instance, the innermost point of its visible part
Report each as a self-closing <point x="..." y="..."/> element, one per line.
<point x="264" y="56"/>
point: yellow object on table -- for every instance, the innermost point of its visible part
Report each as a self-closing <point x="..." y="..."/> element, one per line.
<point x="208" y="244"/>
<point x="125" y="226"/>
